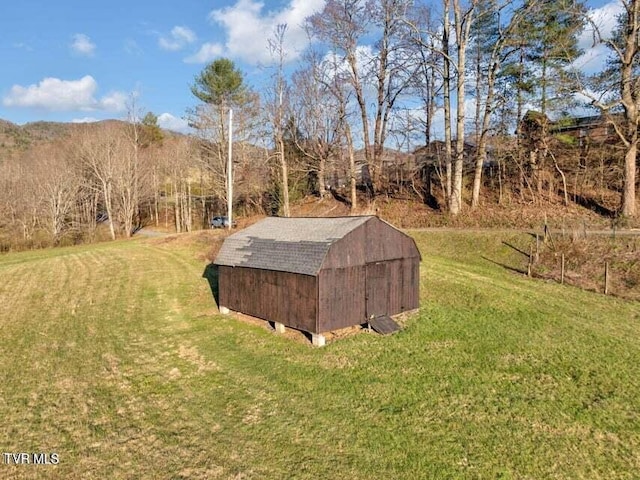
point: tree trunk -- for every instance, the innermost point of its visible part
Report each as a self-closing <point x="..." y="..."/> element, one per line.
<point x="462" y="25"/>
<point x="189" y="210"/>
<point x="176" y="208"/>
<point x="455" y="202"/>
<point x="630" y="102"/>
<point x="484" y="124"/>
<point x="156" y="196"/>
<point x="357" y="86"/>
<point x="481" y="156"/>
<point x="352" y="169"/>
<point x="629" y="190"/>
<point x="106" y="191"/>
<point x="322" y="191"/>
<point x="446" y="82"/>
<point x="286" y="210"/>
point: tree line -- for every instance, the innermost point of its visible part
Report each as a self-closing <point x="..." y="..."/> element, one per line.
<point x="387" y="73"/>
<point x="474" y="92"/>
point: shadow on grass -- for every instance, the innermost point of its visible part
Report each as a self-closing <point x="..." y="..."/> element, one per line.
<point x="507" y="244"/>
<point x="505" y="266"/>
<point x="211" y="273"/>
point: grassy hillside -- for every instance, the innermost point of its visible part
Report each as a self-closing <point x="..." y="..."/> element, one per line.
<point x="113" y="356"/>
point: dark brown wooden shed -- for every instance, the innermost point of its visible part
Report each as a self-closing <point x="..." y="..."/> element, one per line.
<point x="319" y="274"/>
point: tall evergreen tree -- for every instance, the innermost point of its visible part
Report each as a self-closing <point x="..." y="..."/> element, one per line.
<point x="492" y="45"/>
<point x="151" y="131"/>
<point x="551" y="29"/>
<point x="485" y="33"/>
<point x="221" y="87"/>
<point x="220" y="83"/>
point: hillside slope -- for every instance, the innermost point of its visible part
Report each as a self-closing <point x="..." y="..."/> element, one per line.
<point x="114" y="357"/>
<point x="19" y="139"/>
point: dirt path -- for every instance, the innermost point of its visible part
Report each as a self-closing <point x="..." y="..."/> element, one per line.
<point x="148" y="232"/>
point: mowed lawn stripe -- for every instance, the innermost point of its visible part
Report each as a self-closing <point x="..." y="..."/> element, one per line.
<point x="68" y="333"/>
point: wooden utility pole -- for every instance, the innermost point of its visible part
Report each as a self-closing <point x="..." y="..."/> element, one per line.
<point x="230" y="172"/>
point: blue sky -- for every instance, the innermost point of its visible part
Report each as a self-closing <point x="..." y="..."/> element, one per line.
<point x="71" y="60"/>
<point x="74" y="60"/>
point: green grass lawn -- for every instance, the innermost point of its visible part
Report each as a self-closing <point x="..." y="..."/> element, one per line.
<point x="113" y="356"/>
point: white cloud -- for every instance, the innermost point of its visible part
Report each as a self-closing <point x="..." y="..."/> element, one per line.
<point x="595" y="53"/>
<point x="64" y="95"/>
<point x="169" y="122"/>
<point x="85" y="120"/>
<point x="335" y="64"/>
<point x="179" y="38"/>
<point x="82" y="45"/>
<point x="587" y="97"/>
<point x="248" y="28"/>
<point x="605" y="19"/>
<point x="114" y="102"/>
<point x="207" y="53"/>
<point x="592" y="60"/>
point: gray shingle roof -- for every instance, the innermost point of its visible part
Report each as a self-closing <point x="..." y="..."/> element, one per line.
<point x="296" y="245"/>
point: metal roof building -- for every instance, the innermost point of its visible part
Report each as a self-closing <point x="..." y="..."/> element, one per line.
<point x="319" y="274"/>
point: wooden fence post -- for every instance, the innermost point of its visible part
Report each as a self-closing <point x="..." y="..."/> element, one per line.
<point x="606" y="278"/>
<point x="562" y="269"/>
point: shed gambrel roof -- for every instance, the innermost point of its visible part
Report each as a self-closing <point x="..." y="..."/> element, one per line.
<point x="297" y="245"/>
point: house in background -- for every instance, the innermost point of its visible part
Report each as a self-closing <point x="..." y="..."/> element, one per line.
<point x="318" y="274"/>
<point x="583" y="131"/>
<point x="396" y="168"/>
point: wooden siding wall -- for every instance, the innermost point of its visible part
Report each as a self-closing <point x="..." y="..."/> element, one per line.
<point x="341" y="298"/>
<point x="282" y="297"/>
<point x="347" y="296"/>
<point x="383" y="243"/>
<point x="372" y="270"/>
<point x="392" y="287"/>
<point x="403" y="281"/>
<point x="347" y="252"/>
<point x="374" y="241"/>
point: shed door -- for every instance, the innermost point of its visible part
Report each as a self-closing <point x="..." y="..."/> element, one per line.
<point x="378" y="289"/>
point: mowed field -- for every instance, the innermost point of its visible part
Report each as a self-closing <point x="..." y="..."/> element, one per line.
<point x="113" y="357"/>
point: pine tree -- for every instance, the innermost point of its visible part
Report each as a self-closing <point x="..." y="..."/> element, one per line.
<point x="551" y="29"/>
<point x="221" y="88"/>
<point x="220" y="83"/>
<point x="485" y="32"/>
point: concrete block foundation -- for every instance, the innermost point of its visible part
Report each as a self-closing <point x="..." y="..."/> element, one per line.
<point x="318" y="340"/>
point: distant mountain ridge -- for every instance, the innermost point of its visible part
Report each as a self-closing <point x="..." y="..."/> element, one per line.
<point x="15" y="139"/>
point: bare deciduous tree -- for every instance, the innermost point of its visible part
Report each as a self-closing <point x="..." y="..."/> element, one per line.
<point x="278" y="106"/>
<point x="341" y="25"/>
<point x="58" y="186"/>
<point x="98" y="157"/>
<point x="463" y="17"/>
<point x="317" y="113"/>
<point x="623" y="77"/>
